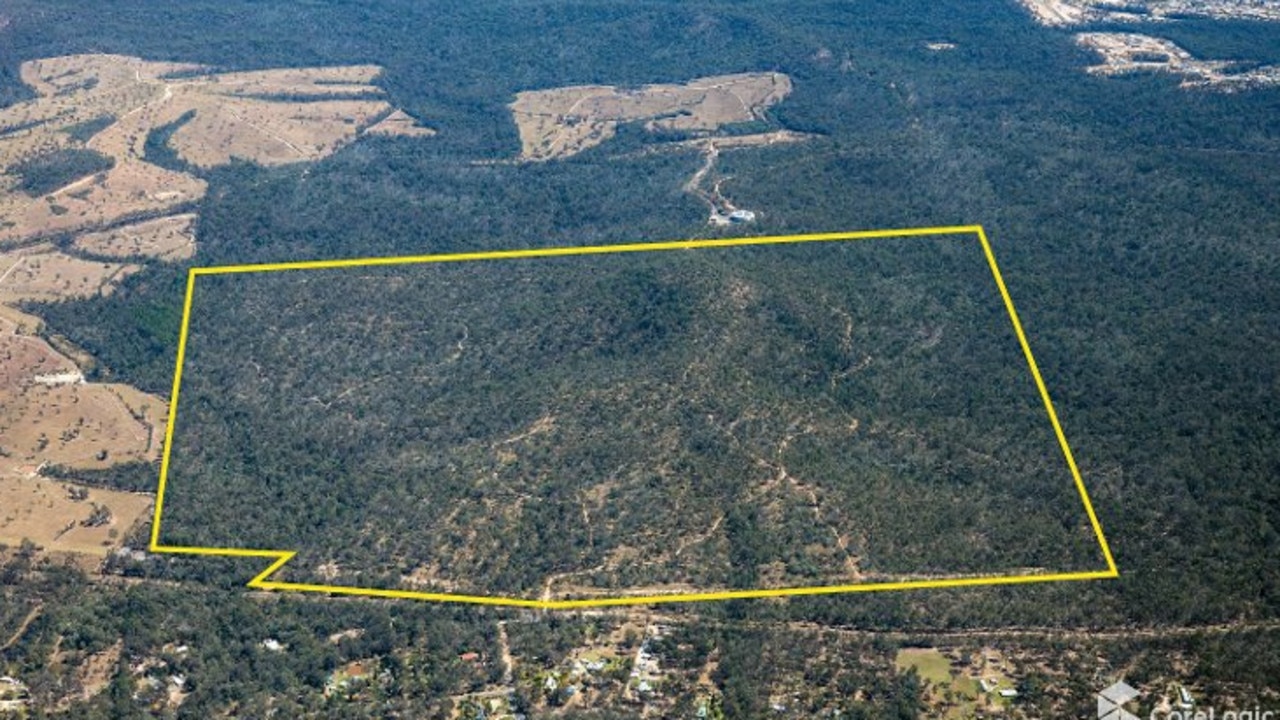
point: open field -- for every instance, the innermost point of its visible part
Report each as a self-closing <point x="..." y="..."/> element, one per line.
<point x="111" y="104"/>
<point x="43" y="273"/>
<point x="52" y="515"/>
<point x="928" y="662"/>
<point x="131" y="188"/>
<point x="960" y="683"/>
<point x="1124" y="53"/>
<point x="167" y="238"/>
<point x="1077" y="12"/>
<point x="50" y="414"/>
<point x="399" y="123"/>
<point x="561" y="122"/>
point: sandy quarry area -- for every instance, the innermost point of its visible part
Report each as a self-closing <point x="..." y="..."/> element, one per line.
<point x="561" y="122"/>
<point x="1124" y="53"/>
<point x="1061" y="13"/>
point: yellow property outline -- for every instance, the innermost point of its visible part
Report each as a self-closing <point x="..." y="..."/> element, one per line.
<point x="280" y="558"/>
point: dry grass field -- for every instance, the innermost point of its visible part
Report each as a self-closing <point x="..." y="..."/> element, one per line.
<point x="48" y="413"/>
<point x="131" y="188"/>
<point x="267" y="116"/>
<point x="50" y="514"/>
<point x="561" y="122"/>
<point x="42" y="273"/>
<point x="169" y="238"/>
<point x="399" y="123"/>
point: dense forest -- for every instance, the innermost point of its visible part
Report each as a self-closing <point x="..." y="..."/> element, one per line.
<point x="775" y="407"/>
<point x="1135" y="223"/>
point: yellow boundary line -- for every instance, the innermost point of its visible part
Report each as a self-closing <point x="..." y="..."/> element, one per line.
<point x="280" y="558"/>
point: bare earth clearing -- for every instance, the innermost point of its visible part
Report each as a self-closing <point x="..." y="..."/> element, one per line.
<point x="400" y="123"/>
<point x="120" y="219"/>
<point x="1062" y="13"/>
<point x="1124" y="53"/>
<point x="561" y="122"/>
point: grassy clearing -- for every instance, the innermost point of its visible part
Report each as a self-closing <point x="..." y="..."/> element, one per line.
<point x="950" y="694"/>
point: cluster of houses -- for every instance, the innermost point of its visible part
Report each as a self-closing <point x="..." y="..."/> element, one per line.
<point x="597" y="668"/>
<point x="349" y="678"/>
<point x="581" y="673"/>
<point x="157" y="682"/>
<point x="645" y="673"/>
